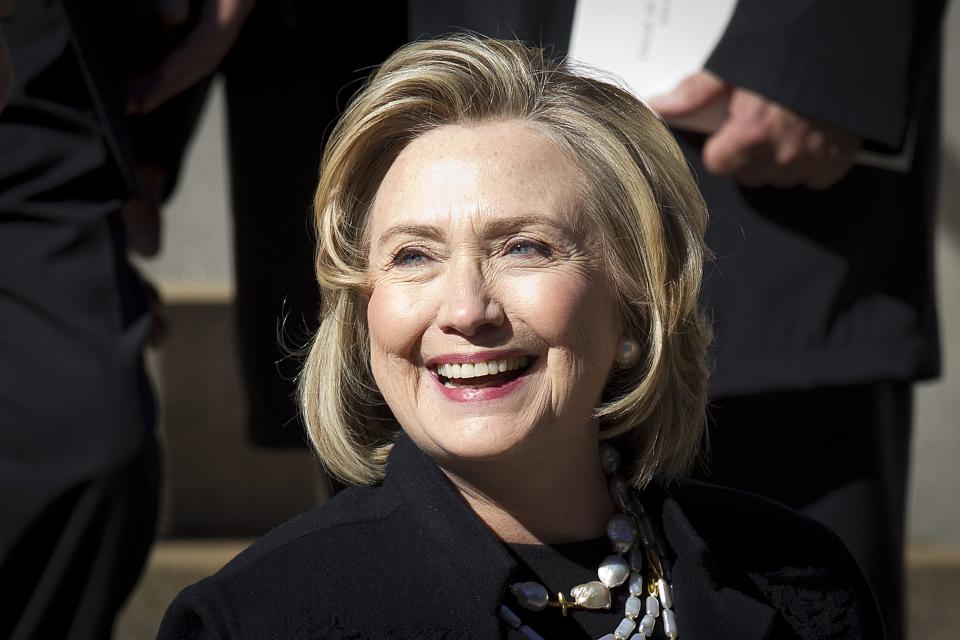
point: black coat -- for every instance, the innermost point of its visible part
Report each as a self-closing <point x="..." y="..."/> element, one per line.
<point x="409" y="559"/>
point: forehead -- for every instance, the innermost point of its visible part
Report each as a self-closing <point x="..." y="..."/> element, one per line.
<point x="468" y="174"/>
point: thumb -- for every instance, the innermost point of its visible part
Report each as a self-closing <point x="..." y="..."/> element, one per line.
<point x="693" y="93"/>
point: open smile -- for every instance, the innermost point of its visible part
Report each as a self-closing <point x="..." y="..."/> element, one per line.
<point x="480" y="379"/>
<point x="490" y="373"/>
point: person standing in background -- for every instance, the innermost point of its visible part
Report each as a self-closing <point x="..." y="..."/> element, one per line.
<point x="103" y="102"/>
<point x="79" y="465"/>
<point x="78" y="456"/>
<point x="822" y="286"/>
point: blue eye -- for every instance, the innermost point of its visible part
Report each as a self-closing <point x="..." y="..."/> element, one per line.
<point x="528" y="248"/>
<point x="408" y="257"/>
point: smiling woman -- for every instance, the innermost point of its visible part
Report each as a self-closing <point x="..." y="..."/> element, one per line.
<point x="510" y="256"/>
<point x="460" y="156"/>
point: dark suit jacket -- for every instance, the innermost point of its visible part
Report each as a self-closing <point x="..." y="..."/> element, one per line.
<point x="409" y="559"/>
<point x="833" y="287"/>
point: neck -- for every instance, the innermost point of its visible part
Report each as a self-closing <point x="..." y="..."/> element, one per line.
<point x="539" y="495"/>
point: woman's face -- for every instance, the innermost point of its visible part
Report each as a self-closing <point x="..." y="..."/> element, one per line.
<point x="492" y="324"/>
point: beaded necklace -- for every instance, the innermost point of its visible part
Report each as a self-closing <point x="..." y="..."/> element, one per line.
<point x="635" y="547"/>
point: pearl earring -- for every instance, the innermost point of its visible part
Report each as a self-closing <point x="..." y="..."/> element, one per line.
<point x="628" y="352"/>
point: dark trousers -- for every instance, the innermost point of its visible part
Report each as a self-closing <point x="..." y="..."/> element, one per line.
<point x="840" y="455"/>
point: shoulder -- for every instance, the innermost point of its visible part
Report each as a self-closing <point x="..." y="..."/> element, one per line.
<point x="791" y="561"/>
<point x="293" y="580"/>
<point x="753" y="531"/>
<point x="374" y="562"/>
<point x="350" y="518"/>
<point x="731" y="517"/>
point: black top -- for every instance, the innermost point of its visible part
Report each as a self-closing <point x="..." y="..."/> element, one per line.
<point x="409" y="559"/>
<point x="559" y="567"/>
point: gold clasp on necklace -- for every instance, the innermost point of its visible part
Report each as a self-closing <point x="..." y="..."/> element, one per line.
<point x="564" y="604"/>
<point x="656" y="572"/>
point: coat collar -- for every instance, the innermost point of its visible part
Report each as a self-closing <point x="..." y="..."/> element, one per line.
<point x="460" y="536"/>
<point x="714" y="602"/>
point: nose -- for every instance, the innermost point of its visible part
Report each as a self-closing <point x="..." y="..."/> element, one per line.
<point x="467" y="306"/>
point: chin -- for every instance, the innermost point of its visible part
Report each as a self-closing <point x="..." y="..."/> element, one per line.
<point x="475" y="440"/>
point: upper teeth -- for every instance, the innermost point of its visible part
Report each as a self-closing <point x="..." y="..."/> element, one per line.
<point x="487" y="368"/>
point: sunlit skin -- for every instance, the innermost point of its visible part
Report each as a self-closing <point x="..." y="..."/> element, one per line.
<point x="477" y="249"/>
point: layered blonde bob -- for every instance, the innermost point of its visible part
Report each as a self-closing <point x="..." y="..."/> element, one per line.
<point x="636" y="193"/>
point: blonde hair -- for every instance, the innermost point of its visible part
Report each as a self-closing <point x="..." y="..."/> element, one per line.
<point x="636" y="190"/>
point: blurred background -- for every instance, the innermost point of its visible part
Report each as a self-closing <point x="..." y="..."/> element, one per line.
<point x="221" y="492"/>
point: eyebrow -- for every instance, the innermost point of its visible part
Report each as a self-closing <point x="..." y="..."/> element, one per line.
<point x="495" y="228"/>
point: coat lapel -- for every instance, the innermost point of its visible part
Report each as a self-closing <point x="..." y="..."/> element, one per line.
<point x="483" y="564"/>
<point x="711" y="604"/>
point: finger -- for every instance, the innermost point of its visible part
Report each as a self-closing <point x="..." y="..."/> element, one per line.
<point x="791" y="164"/>
<point x="692" y="94"/>
<point x="796" y="166"/>
<point x="734" y="148"/>
<point x="837" y="155"/>
<point x="760" y="170"/>
<point x="819" y="158"/>
<point x="817" y="165"/>
<point x="777" y="139"/>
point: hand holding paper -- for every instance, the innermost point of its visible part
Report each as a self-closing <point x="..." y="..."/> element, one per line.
<point x="758" y="142"/>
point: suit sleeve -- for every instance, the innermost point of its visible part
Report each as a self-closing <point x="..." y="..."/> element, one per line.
<point x="852" y="64"/>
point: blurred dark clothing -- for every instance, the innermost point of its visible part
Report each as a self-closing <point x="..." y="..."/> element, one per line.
<point x="78" y="457"/>
<point x="287" y="79"/>
<point x="838" y="454"/>
<point x="822" y="301"/>
<point x="833" y="287"/>
<point x="545" y="23"/>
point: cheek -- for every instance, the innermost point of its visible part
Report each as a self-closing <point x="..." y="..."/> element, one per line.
<point x="572" y="312"/>
<point x="397" y="318"/>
